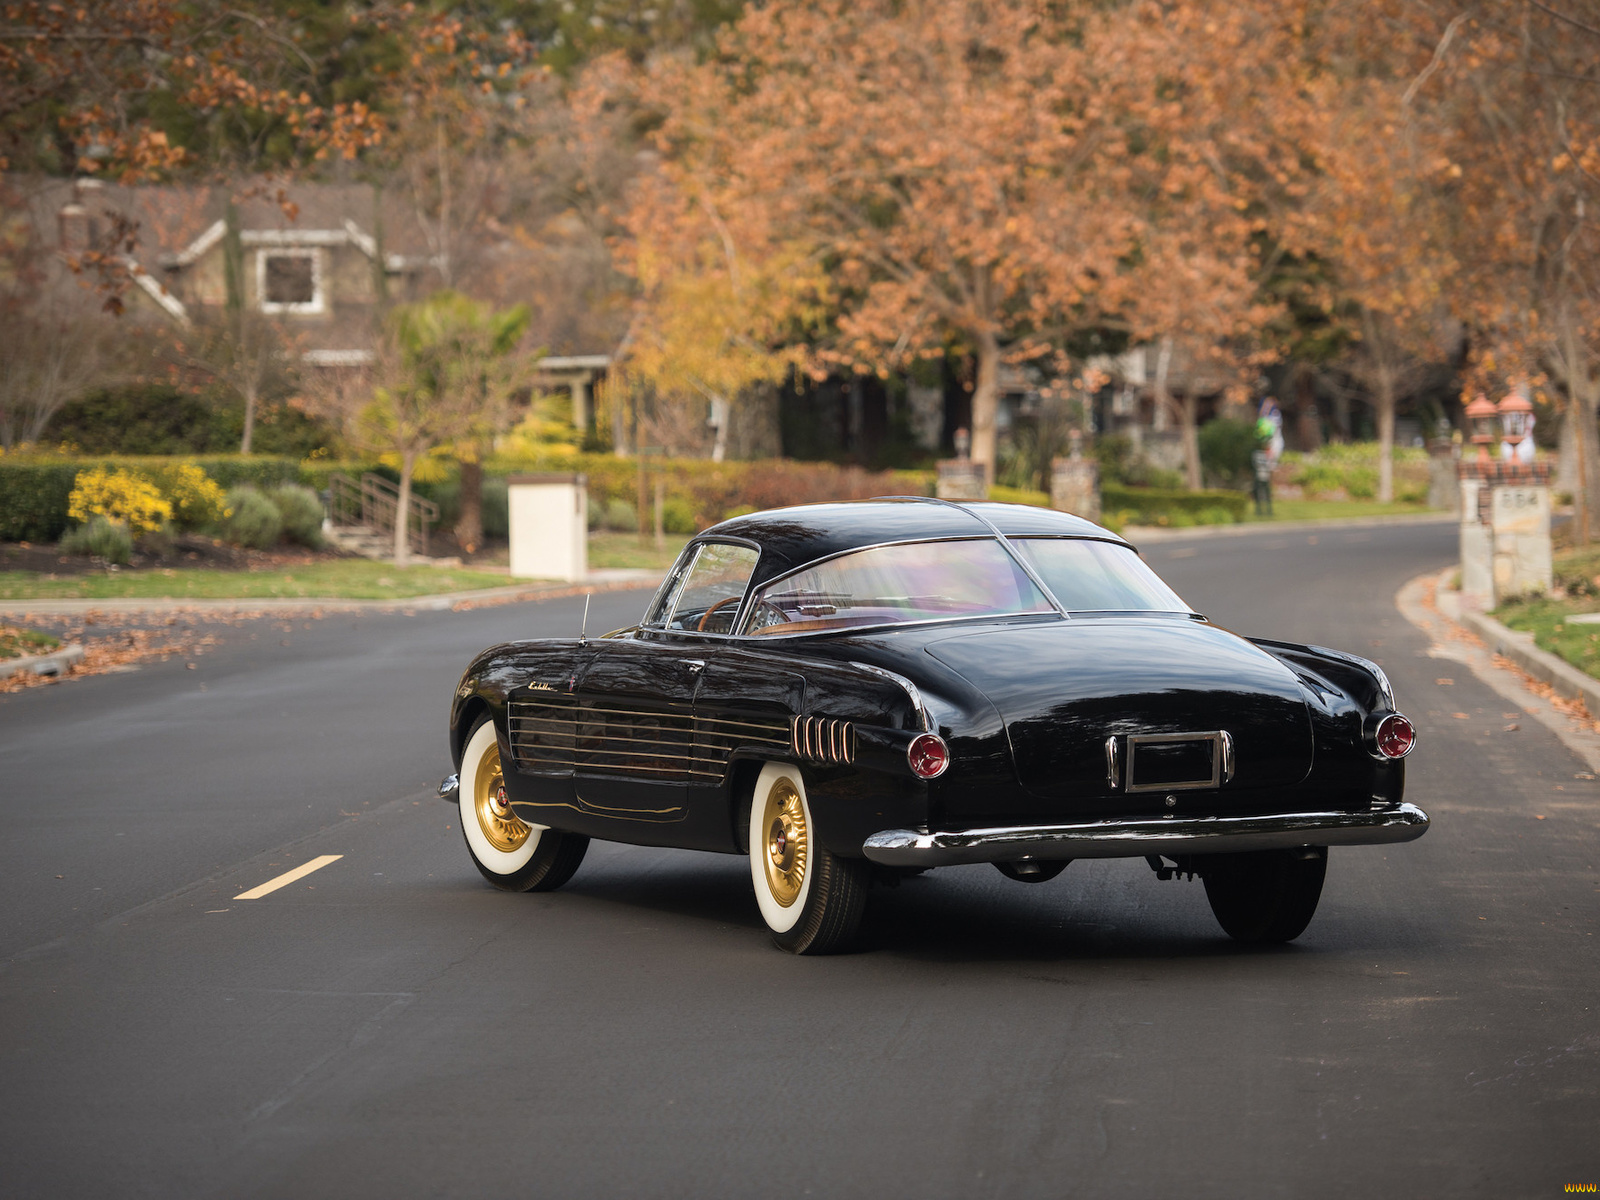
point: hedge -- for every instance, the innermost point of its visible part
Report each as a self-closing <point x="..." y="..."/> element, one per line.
<point x="711" y="491"/>
<point x="1161" y="506"/>
<point x="34" y="491"/>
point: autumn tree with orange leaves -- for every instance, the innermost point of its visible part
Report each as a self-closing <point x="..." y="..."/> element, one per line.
<point x="998" y="175"/>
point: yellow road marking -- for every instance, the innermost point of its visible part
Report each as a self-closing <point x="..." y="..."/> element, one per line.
<point x="288" y="877"/>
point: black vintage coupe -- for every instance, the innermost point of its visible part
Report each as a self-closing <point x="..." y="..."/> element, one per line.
<point x="855" y="691"/>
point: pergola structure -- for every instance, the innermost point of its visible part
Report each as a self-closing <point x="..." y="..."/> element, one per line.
<point x="578" y="373"/>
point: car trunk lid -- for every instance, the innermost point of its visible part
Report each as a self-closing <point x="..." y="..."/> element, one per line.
<point x="1065" y="688"/>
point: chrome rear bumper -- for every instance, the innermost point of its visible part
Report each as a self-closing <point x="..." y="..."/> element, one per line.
<point x="1137" y="838"/>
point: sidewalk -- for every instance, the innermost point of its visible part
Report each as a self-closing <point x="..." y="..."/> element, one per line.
<point x="1539" y="684"/>
<point x="614" y="579"/>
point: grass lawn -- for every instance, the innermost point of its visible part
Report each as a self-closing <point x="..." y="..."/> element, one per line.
<point x="1577" y="591"/>
<point x="1317" y="510"/>
<point x="624" y="550"/>
<point x="351" y="578"/>
<point x="20" y="643"/>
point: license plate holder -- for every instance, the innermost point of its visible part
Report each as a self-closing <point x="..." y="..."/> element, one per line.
<point x="1178" y="762"/>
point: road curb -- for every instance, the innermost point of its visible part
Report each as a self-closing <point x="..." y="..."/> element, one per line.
<point x="1520" y="648"/>
<point x="441" y="601"/>
<point x="1164" y="533"/>
<point x="54" y="663"/>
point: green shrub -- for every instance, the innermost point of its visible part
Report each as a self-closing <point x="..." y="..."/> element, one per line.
<point x="255" y="521"/>
<point x="160" y="419"/>
<point x="34" y="489"/>
<point x="677" y="517"/>
<point x="621" y="516"/>
<point x="1361" y="482"/>
<point x="101" y="537"/>
<point x="496" y="508"/>
<point x="301" y="512"/>
<point x="1225" y="449"/>
<point x="198" y="501"/>
<point x="1157" y="506"/>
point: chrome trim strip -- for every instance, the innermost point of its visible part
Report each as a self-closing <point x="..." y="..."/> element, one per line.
<point x="1113" y="776"/>
<point x="1015" y="554"/>
<point x="1227" y="756"/>
<point x="855" y="629"/>
<point x="1135" y="838"/>
<point x="911" y="691"/>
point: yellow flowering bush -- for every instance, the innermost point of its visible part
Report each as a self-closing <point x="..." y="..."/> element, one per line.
<point x="198" y="501"/>
<point x="120" y="496"/>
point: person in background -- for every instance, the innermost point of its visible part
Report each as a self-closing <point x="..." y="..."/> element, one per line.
<point x="1261" y="463"/>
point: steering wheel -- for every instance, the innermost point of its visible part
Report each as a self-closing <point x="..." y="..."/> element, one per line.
<point x="706" y="616"/>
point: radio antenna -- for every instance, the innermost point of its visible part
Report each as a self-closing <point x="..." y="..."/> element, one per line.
<point x="583" y="631"/>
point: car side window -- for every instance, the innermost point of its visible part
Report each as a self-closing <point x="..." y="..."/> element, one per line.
<point x="667" y="595"/>
<point x="713" y="584"/>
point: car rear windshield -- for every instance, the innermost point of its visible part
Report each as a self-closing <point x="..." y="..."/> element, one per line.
<point x="1091" y="576"/>
<point x="890" y="585"/>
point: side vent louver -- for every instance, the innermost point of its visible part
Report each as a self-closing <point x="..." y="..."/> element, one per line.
<point x="821" y="740"/>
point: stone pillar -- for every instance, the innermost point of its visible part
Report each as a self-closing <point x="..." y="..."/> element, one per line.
<point x="1519" y="522"/>
<point x="961" y="479"/>
<point x="580" y="403"/>
<point x="1075" y="483"/>
<point x="1505" y="531"/>
<point x="1444" y="490"/>
<point x="1477" y="550"/>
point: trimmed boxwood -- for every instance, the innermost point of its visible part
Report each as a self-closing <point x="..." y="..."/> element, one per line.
<point x="1148" y="506"/>
<point x="34" y="491"/>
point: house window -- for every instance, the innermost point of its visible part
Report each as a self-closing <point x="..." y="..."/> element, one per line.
<point x="290" y="281"/>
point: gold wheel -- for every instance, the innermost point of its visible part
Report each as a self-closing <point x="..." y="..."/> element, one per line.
<point x="501" y="827"/>
<point x="787" y="842"/>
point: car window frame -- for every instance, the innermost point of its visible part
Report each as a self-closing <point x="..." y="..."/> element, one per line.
<point x="1054" y="613"/>
<point x="697" y="546"/>
<point x="1080" y="613"/>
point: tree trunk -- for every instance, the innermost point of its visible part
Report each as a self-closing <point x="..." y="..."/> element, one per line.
<point x="985" y="405"/>
<point x="249" y="420"/>
<point x="402" y="516"/>
<point x="1385" y="407"/>
<point x="1191" y="442"/>
<point x="1581" y="402"/>
<point x="469" y="525"/>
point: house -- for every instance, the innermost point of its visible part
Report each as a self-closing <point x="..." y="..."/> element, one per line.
<point x="318" y="260"/>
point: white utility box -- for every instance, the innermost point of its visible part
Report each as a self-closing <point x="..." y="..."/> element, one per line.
<point x="549" y="526"/>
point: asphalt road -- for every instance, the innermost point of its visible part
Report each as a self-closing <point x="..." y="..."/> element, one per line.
<point x="389" y="1026"/>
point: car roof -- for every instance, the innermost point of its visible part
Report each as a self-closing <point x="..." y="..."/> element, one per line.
<point x="793" y="537"/>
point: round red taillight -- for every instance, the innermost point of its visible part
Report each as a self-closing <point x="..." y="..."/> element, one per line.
<point x="928" y="756"/>
<point x="1395" y="736"/>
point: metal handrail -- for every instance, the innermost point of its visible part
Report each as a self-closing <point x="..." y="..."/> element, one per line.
<point x="374" y="503"/>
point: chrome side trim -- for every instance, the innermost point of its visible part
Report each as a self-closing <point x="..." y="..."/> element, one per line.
<point x="823" y="740"/>
<point x="1136" y="838"/>
<point x="1113" y="776"/>
<point x="907" y="686"/>
<point x="1227" y="756"/>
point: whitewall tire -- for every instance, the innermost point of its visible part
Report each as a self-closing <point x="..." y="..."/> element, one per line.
<point x="509" y="852"/>
<point x="810" y="899"/>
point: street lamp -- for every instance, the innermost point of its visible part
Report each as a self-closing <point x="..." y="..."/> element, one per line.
<point x="1481" y="414"/>
<point x="1514" y="413"/>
